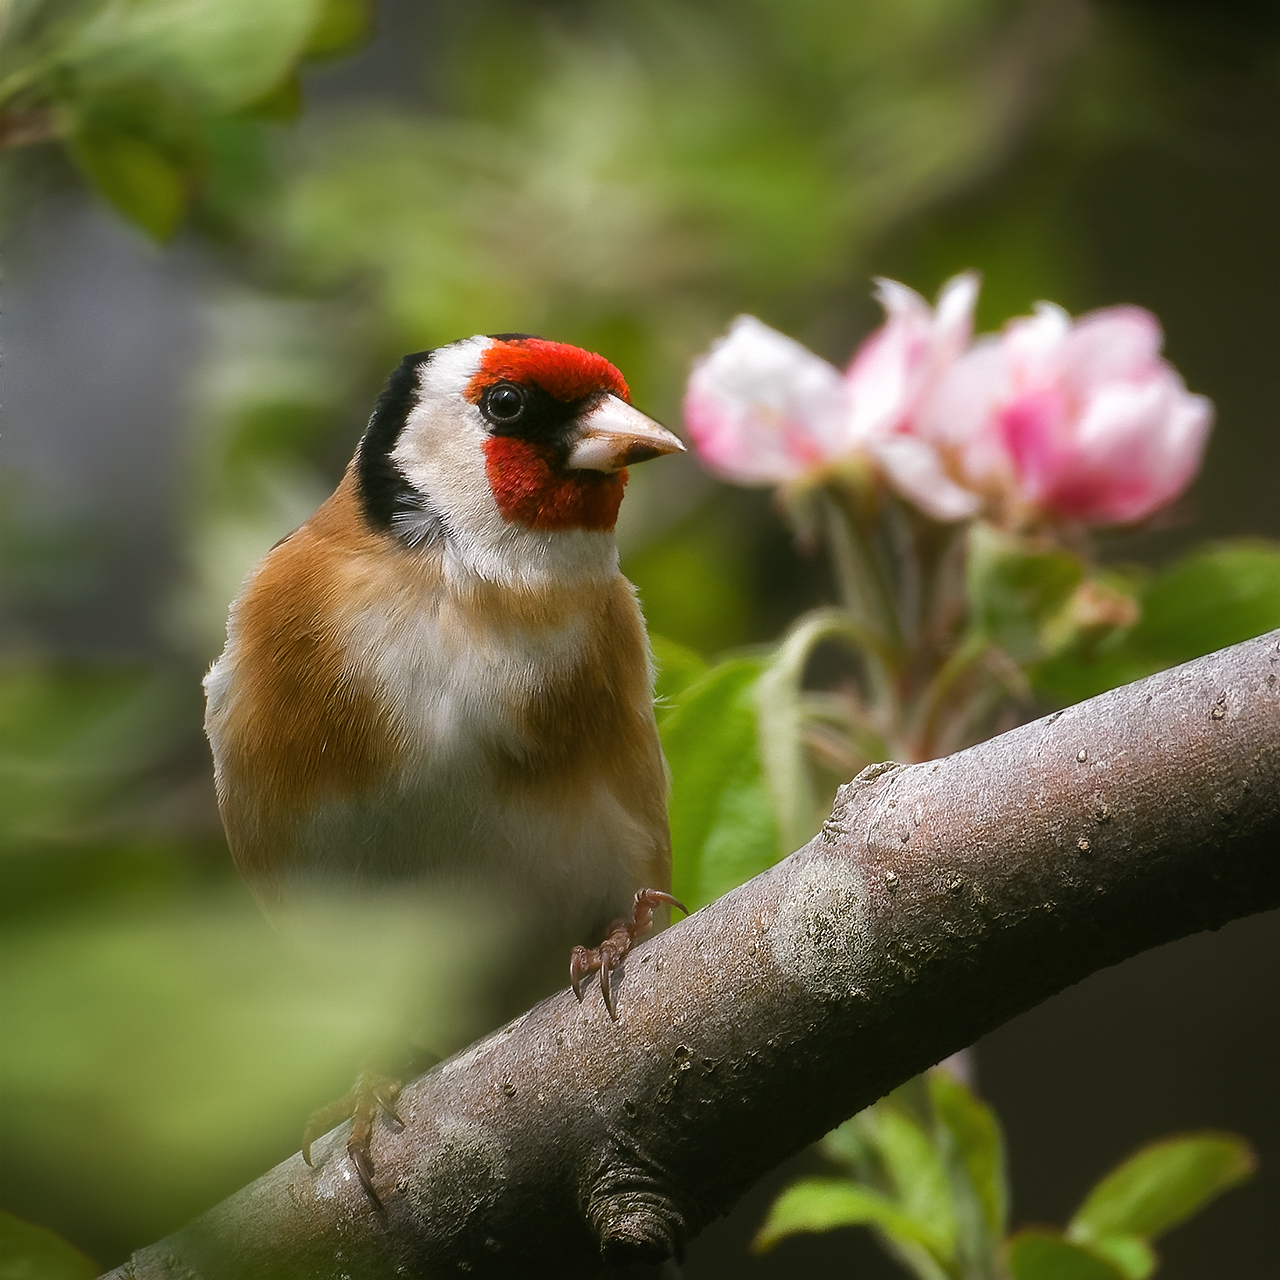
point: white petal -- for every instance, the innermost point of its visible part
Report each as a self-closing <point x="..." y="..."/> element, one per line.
<point x="1116" y="342"/>
<point x="953" y="321"/>
<point x="916" y="471"/>
<point x="762" y="408"/>
<point x="901" y="302"/>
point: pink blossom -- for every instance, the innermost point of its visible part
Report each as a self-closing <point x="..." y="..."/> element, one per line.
<point x="1094" y="425"/>
<point x="1080" y="421"/>
<point x="894" y="373"/>
<point x="762" y="409"/>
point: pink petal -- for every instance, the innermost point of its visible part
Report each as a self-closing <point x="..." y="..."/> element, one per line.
<point x="1032" y="346"/>
<point x="1097" y="427"/>
<point x="903" y="305"/>
<point x="1117" y="342"/>
<point x="895" y="367"/>
<point x="959" y="413"/>
<point x="879" y="381"/>
<point x="1031" y="426"/>
<point x="1135" y="448"/>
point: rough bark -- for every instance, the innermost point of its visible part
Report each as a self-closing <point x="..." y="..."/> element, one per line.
<point x="938" y="901"/>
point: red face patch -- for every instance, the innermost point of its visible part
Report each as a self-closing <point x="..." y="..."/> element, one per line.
<point x="566" y="372"/>
<point x="527" y="484"/>
<point x="529" y="489"/>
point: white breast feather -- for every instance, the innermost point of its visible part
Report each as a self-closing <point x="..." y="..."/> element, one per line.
<point x="451" y="690"/>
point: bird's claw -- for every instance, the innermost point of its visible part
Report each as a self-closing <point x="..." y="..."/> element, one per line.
<point x="621" y="937"/>
<point x="358" y="1150"/>
<point x="372" y="1093"/>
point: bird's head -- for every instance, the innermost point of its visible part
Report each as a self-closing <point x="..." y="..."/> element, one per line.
<point x="509" y="450"/>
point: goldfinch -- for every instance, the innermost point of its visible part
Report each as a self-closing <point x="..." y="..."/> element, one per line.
<point x="442" y="677"/>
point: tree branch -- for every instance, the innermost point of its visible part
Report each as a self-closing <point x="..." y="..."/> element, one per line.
<point x="938" y="901"/>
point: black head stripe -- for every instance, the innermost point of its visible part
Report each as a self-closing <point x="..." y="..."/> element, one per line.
<point x="511" y="337"/>
<point x="382" y="488"/>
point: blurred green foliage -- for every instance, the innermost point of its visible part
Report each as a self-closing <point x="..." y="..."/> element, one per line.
<point x="28" y="1252"/>
<point x="924" y="1168"/>
<point x="75" y="743"/>
<point x="621" y="175"/>
<point x="158" y="101"/>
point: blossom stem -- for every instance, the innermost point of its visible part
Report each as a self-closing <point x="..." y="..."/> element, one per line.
<point x="781" y="711"/>
<point x="938" y="690"/>
<point x="864" y="592"/>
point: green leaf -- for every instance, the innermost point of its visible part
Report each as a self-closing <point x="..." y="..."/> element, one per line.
<point x="822" y="1204"/>
<point x="852" y="1146"/>
<point x="723" y="828"/>
<point x="135" y="177"/>
<point x="28" y="1252"/>
<point x="1015" y="587"/>
<point x="1045" y="1255"/>
<point x="1161" y="1185"/>
<point x="1133" y="1255"/>
<point x="979" y="1145"/>
<point x="1215" y="597"/>
<point x="781" y="709"/>
<point x="677" y="667"/>
<point x="1102" y="605"/>
<point x="219" y="54"/>
<point x="916" y="1173"/>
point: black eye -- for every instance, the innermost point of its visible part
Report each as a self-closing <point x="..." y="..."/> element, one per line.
<point x="504" y="404"/>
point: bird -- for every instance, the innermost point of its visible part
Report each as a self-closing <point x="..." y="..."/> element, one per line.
<point x="443" y="679"/>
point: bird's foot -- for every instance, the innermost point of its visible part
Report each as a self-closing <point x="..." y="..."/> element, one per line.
<point x="373" y="1092"/>
<point x="622" y="936"/>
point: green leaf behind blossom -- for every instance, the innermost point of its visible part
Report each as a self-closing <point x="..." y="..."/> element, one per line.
<point x="1016" y="586"/>
<point x="723" y="828"/>
<point x="676" y="667"/>
<point x="1214" y="597"/>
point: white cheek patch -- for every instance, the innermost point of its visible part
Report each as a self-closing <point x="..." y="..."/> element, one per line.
<point x="441" y="449"/>
<point x="441" y="453"/>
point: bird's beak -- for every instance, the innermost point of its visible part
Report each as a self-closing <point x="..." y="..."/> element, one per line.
<point x="613" y="435"/>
